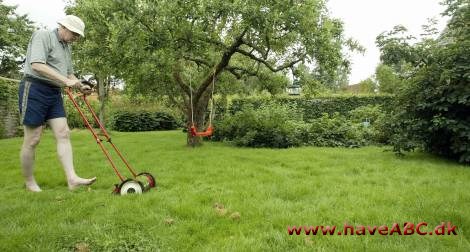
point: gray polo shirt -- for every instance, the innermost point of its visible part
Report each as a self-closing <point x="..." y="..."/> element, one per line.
<point x="45" y="47"/>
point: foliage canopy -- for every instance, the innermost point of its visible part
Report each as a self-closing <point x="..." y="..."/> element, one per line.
<point x="432" y="110"/>
<point x="148" y="42"/>
<point x="15" y="31"/>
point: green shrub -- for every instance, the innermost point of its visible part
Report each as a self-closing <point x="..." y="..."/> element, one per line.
<point x="433" y="110"/>
<point x="9" y="119"/>
<point x="314" y="108"/>
<point x="132" y="121"/>
<point x="370" y="113"/>
<point x="2" y="129"/>
<point x="166" y="121"/>
<point x="376" y="123"/>
<point x="382" y="128"/>
<point x="270" y="125"/>
<point x="279" y="126"/>
<point x="74" y="119"/>
<point x="335" y="131"/>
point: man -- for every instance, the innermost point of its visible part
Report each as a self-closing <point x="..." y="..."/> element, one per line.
<point x="48" y="68"/>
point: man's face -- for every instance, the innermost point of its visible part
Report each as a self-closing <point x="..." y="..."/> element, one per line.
<point x="69" y="36"/>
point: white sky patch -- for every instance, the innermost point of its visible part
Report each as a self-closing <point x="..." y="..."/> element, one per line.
<point x="364" y="20"/>
<point x="42" y="12"/>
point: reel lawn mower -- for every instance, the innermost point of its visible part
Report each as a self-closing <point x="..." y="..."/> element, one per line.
<point x="140" y="182"/>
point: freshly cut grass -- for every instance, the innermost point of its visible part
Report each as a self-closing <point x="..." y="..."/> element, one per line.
<point x="219" y="197"/>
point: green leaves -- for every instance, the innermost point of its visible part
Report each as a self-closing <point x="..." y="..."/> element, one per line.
<point x="166" y="48"/>
<point x="142" y="121"/>
<point x="312" y="108"/>
<point x="15" y="31"/>
<point x="280" y="126"/>
<point x="433" y="108"/>
<point x="129" y="34"/>
<point x="388" y="81"/>
<point x="9" y="118"/>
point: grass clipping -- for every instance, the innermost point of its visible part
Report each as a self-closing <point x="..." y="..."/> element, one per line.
<point x="220" y="210"/>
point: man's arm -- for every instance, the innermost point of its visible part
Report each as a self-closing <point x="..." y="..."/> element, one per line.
<point x="72" y="77"/>
<point x="59" y="80"/>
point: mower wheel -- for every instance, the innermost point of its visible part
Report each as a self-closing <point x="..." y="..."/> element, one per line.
<point x="147" y="180"/>
<point x="131" y="186"/>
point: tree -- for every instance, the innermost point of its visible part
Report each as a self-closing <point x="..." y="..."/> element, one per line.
<point x="400" y="54"/>
<point x="396" y="49"/>
<point x="432" y="110"/>
<point x="15" y="31"/>
<point x="95" y="55"/>
<point x="305" y="79"/>
<point x="388" y="81"/>
<point x="367" y="86"/>
<point x="180" y="47"/>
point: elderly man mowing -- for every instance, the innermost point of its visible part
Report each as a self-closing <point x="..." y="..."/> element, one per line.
<point x="48" y="69"/>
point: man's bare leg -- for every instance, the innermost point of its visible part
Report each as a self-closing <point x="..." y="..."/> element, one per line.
<point x="31" y="138"/>
<point x="64" y="151"/>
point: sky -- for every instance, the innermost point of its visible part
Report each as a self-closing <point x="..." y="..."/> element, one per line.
<point x="363" y="20"/>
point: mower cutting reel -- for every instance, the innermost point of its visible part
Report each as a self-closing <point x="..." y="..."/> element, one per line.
<point x="130" y="186"/>
<point x="147" y="180"/>
<point x="141" y="182"/>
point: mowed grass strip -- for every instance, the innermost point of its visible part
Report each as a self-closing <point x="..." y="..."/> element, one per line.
<point x="219" y="197"/>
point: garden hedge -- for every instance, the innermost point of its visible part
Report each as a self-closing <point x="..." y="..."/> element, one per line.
<point x="9" y="114"/>
<point x="142" y="121"/>
<point x="312" y="108"/>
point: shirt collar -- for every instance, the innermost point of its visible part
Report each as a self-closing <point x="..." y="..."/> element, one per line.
<point x="56" y="32"/>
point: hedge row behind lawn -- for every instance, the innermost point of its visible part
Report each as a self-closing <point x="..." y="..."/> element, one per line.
<point x="142" y="121"/>
<point x="9" y="114"/>
<point x="74" y="119"/>
<point x="312" y="108"/>
<point x="277" y="126"/>
<point x="126" y="120"/>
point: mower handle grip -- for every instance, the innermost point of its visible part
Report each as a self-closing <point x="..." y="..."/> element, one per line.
<point x="85" y="82"/>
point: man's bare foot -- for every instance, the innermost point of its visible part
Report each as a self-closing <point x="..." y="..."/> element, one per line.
<point x="76" y="183"/>
<point x="32" y="186"/>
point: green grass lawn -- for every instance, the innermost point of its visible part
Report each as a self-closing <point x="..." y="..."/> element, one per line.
<point x="260" y="193"/>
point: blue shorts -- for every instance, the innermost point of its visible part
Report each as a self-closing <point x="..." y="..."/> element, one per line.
<point x="39" y="102"/>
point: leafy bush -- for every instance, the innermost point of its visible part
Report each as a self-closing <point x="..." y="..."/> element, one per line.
<point x="314" y="108"/>
<point x="9" y="114"/>
<point x="279" y="126"/>
<point x="2" y="129"/>
<point x="268" y="126"/>
<point x="433" y="110"/>
<point x="74" y="119"/>
<point x="370" y="113"/>
<point x="376" y="123"/>
<point x="142" y="121"/>
<point x="167" y="114"/>
<point x="335" y="131"/>
<point x="382" y="128"/>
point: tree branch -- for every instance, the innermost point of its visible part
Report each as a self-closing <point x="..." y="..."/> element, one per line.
<point x="179" y="80"/>
<point x="233" y="70"/>
<point x="198" y="61"/>
<point x="267" y="64"/>
<point x="214" y="42"/>
<point x="139" y="19"/>
<point x="221" y="65"/>
<point x="263" y="52"/>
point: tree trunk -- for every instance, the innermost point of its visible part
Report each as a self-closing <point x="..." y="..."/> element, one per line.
<point x="197" y="116"/>
<point x="102" y="99"/>
<point x="101" y="83"/>
<point x="201" y="96"/>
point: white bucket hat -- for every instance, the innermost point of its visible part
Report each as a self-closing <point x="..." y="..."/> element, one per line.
<point x="73" y="24"/>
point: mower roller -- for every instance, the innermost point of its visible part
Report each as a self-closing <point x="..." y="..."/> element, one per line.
<point x="140" y="182"/>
